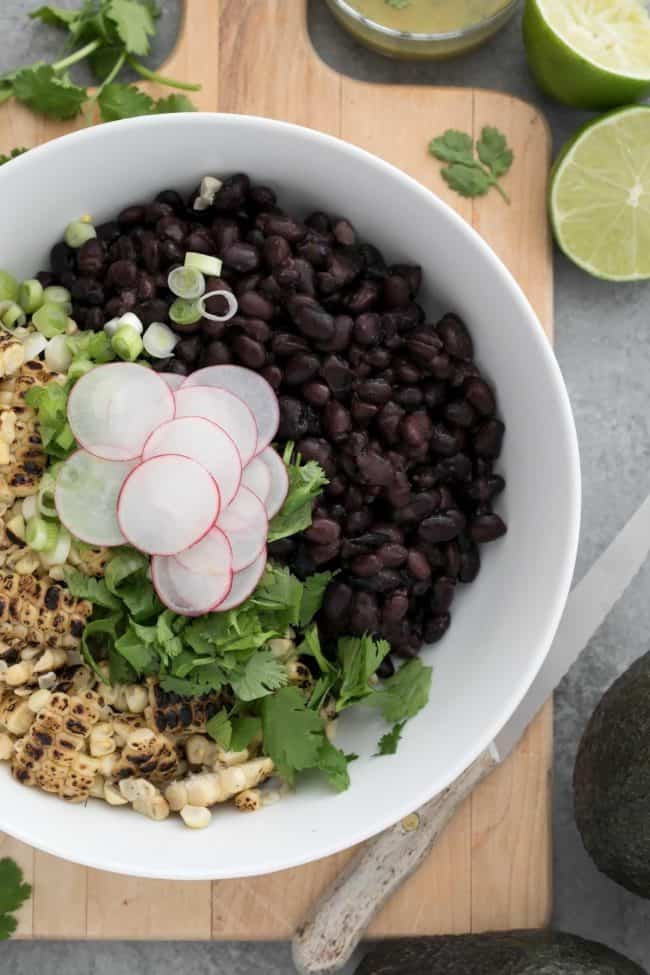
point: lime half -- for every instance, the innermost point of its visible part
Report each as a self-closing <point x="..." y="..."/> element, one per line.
<point x="589" y="53"/>
<point x="600" y="196"/>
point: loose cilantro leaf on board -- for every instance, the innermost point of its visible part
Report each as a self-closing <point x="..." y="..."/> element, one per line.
<point x="14" y="152"/>
<point x="173" y="103"/>
<point x="13" y="894"/>
<point x="293" y="734"/>
<point x="359" y="658"/>
<point x="48" y="93"/>
<point x="261" y="675"/>
<point x="399" y="4"/>
<point x="55" y="16"/>
<point x="134" y="24"/>
<point x="405" y="693"/>
<point x="388" y="743"/>
<point x="117" y="101"/>
<point x="306" y="481"/>
<point x="220" y="729"/>
<point x="464" y="173"/>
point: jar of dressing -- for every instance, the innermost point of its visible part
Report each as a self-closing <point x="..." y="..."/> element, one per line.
<point x="422" y="28"/>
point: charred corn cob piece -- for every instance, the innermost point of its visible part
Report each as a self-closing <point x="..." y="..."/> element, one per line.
<point x="180" y="715"/>
<point x="209" y="788"/>
<point x="148" y="755"/>
<point x="89" y="559"/>
<point x="15" y="714"/>
<point x="12" y="354"/>
<point x="52" y="753"/>
<point x="40" y="613"/>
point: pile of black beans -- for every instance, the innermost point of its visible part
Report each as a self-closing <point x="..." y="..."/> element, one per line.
<point x="393" y="407"/>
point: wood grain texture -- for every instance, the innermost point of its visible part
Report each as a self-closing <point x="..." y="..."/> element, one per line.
<point x="491" y="869"/>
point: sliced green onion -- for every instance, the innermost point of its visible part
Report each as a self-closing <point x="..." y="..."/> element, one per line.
<point x="14" y="316"/>
<point x="59" y="554"/>
<point x="79" y="368"/>
<point x="30" y="295"/>
<point x="40" y="534"/>
<point x="78" y="232"/>
<point x="111" y="326"/>
<point x="126" y="343"/>
<point x="56" y="295"/>
<point x="186" y="282"/>
<point x="159" y="341"/>
<point x="50" y="319"/>
<point x="230" y="300"/>
<point x="8" y="286"/>
<point x="34" y="344"/>
<point x="45" y="497"/>
<point x="65" y="439"/>
<point x="204" y="263"/>
<point x="132" y="321"/>
<point x="184" y="312"/>
<point x="57" y="354"/>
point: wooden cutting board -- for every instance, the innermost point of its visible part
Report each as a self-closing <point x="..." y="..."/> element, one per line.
<point x="492" y="868"/>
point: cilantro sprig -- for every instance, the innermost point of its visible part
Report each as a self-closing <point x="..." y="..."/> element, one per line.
<point x="466" y="174"/>
<point x="13" y="894"/>
<point x="109" y="35"/>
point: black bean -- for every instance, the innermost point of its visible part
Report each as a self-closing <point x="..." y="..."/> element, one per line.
<point x="241" y="257"/>
<point x="340" y="338"/>
<point x="456" y="338"/>
<point x="145" y="287"/>
<point x="367" y="329"/>
<point x="262" y="197"/>
<point x="188" y="350"/>
<point x="284" y="344"/>
<point x="362" y="413"/>
<point x="216" y="353"/>
<point x="443" y="440"/>
<point x="417" y="565"/>
<point x="294" y="419"/>
<point x="436" y="627"/>
<point x="224" y="232"/>
<point x="456" y="468"/>
<point x="487" y="528"/>
<point x="337" y="421"/>
<point x="131" y="216"/>
<point x="365" y="565"/>
<point x="375" y="263"/>
<point x="310" y="318"/>
<point x="374" y="391"/>
<point x="418" y="507"/>
<point x="233" y="193"/>
<point x="273" y="376"/>
<point x="392" y="555"/>
<point x="172" y="198"/>
<point x="169" y="253"/>
<point x="93" y="318"/>
<point x="470" y="563"/>
<point x="337" y="601"/>
<point x="358" y="521"/>
<point x="364" y="616"/>
<point x="249" y="352"/>
<point x="315" y="249"/>
<point x="386" y="668"/>
<point x="155" y="310"/>
<point x="485" y="488"/>
<point x="396" y="607"/>
<point x="323" y="531"/>
<point x="299" y="368"/>
<point x="396" y="291"/>
<point x="255" y="328"/>
<point x="62" y="258"/>
<point x="90" y="257"/>
<point x="316" y="393"/>
<point x="256" y="306"/>
<point x="276" y="250"/>
<point x="488" y="439"/>
<point x="480" y="396"/>
<point x="438" y="528"/>
<point x="321" y="554"/>
<point x="88" y="291"/>
<point x="109" y="231"/>
<point x="363" y="297"/>
<point x="284" y="227"/>
<point x="200" y="242"/>
<point x="338" y="375"/>
<point x="460" y="413"/>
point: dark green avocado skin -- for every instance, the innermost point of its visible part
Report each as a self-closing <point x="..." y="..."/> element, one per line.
<point x="612" y="781"/>
<point x="511" y="953"/>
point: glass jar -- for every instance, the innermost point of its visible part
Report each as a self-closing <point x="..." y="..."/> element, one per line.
<point x="414" y="29"/>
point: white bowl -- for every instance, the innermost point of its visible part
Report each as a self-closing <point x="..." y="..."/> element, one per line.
<point x="502" y="625"/>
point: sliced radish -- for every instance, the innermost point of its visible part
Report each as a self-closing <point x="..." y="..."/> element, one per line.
<point x="166" y="504"/>
<point x="202" y="441"/>
<point x="172" y="379"/>
<point x="257" y="478"/>
<point x="212" y="555"/>
<point x="86" y="495"/>
<point x="226" y="410"/>
<point x="187" y="592"/>
<point x="252" y="388"/>
<point x="279" y="481"/>
<point x="113" y="409"/>
<point x="243" y="584"/>
<point x="245" y="525"/>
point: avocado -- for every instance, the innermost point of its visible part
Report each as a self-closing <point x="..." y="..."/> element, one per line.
<point x="511" y="953"/>
<point x="612" y="781"/>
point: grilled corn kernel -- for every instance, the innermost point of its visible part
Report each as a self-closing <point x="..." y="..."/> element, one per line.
<point x="6" y="747"/>
<point x="281" y="648"/>
<point x="136" y="698"/>
<point x="5" y="453"/>
<point x="299" y="674"/>
<point x="134" y="789"/>
<point x="19" y="673"/>
<point x="19" y="721"/>
<point x="330" y="730"/>
<point x="230" y="758"/>
<point x="39" y="700"/>
<point x="57" y="572"/>
<point x="113" y="796"/>
<point x="28" y="564"/>
<point x="250" y="800"/>
<point x="102" y="742"/>
<point x="176" y="796"/>
<point x="196" y="817"/>
<point x="154" y="808"/>
<point x="97" y="788"/>
<point x="16" y="526"/>
<point x="200" y="750"/>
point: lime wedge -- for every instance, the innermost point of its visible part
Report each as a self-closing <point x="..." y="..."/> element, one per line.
<point x="589" y="53"/>
<point x="600" y="196"/>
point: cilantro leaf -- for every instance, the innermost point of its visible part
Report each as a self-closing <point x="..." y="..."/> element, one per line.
<point x="97" y="641"/>
<point x="466" y="180"/>
<point x="262" y="674"/>
<point x="174" y="103"/>
<point x="220" y="729"/>
<point x="48" y="93"/>
<point x="321" y="689"/>
<point x="310" y="647"/>
<point x="126" y="577"/>
<point x="14" y="152"/>
<point x="388" y="743"/>
<point x="55" y="16"/>
<point x="405" y="693"/>
<point x="306" y="482"/>
<point x="6" y="92"/>
<point x="134" y="24"/>
<point x="293" y="734"/>
<point x="399" y="4"/>
<point x="243" y="731"/>
<point x="139" y="654"/>
<point x="494" y="152"/>
<point x="125" y="563"/>
<point x="118" y="101"/>
<point x="334" y="764"/>
<point x="314" y="588"/>
<point x="359" y="658"/>
<point x="95" y="590"/>
<point x="453" y="146"/>
<point x="13" y="894"/>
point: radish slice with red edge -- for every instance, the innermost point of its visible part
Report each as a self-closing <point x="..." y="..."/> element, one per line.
<point x="113" y="409"/>
<point x="187" y="592"/>
<point x="212" y="555"/>
<point x="279" y="487"/>
<point x="172" y="379"/>
<point x="86" y="495"/>
<point x="166" y="504"/>
<point x="206" y="443"/>
<point x="245" y="525"/>
<point x="252" y="388"/>
<point x="223" y="408"/>
<point x="243" y="584"/>
<point x="257" y="478"/>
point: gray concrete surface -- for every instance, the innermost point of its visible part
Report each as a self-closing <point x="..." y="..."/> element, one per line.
<point x="603" y="345"/>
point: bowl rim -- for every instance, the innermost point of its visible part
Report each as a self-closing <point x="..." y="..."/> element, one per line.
<point x="419" y="36"/>
<point x="380" y="820"/>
